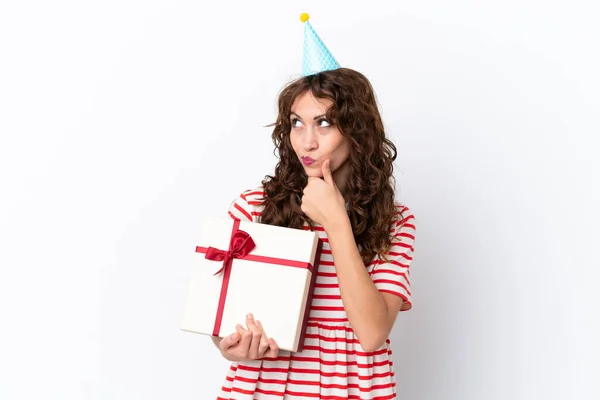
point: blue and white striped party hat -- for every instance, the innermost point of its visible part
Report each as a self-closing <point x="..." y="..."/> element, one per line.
<point x="316" y="56"/>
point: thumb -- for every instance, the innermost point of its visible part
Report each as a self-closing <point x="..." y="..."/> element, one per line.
<point x="326" y="169"/>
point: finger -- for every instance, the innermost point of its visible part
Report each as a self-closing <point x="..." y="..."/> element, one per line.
<point x="304" y="208"/>
<point x="260" y="326"/>
<point x="240" y="329"/>
<point x="326" y="169"/>
<point x="264" y="341"/>
<point x="250" y="323"/>
<point x="273" y="349"/>
<point x="303" y="204"/>
<point x="256" y="335"/>
<point x="229" y="341"/>
<point x="243" y="347"/>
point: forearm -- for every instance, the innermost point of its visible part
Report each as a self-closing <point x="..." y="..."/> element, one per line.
<point x="365" y="306"/>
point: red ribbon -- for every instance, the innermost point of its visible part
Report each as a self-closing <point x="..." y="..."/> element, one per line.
<point x="239" y="246"/>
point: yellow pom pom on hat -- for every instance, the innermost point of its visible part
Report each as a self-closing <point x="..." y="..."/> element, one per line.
<point x="316" y="56"/>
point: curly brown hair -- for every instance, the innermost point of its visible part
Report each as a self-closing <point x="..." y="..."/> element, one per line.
<point x="354" y="112"/>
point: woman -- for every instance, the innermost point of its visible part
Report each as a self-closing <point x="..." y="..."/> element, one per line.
<point x="334" y="176"/>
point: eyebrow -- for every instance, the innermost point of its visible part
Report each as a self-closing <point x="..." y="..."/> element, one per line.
<point x="315" y="118"/>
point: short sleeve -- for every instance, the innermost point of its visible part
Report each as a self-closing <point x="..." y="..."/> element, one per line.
<point x="246" y="207"/>
<point x="392" y="275"/>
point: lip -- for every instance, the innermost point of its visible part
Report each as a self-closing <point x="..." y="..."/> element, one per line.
<point x="307" y="160"/>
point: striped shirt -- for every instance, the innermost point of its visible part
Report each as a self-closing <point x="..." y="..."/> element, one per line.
<point x="332" y="364"/>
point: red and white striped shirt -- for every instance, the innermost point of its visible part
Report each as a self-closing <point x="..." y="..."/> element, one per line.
<point x="332" y="365"/>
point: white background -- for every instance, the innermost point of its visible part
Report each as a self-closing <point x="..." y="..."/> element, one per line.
<point x="123" y="121"/>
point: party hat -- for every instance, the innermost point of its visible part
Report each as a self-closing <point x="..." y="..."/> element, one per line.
<point x="316" y="56"/>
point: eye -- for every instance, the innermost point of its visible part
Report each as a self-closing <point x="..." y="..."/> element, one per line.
<point x="323" y="123"/>
<point x="296" y="122"/>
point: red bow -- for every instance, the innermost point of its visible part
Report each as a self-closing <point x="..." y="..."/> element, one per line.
<point x="240" y="245"/>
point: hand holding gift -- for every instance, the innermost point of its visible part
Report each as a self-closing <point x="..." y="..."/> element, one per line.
<point x="250" y="344"/>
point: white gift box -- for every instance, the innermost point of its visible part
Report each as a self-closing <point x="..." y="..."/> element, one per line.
<point x="274" y="281"/>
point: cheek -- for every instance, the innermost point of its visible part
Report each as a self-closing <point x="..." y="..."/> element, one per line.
<point x="342" y="149"/>
<point x="345" y="154"/>
<point x="294" y="143"/>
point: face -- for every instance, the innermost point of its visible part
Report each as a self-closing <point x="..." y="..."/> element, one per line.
<point x="315" y="139"/>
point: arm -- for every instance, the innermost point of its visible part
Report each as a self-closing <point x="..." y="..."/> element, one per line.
<point x="371" y="304"/>
<point x="371" y="313"/>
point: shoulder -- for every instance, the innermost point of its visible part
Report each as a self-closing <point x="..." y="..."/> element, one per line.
<point x="254" y="196"/>
<point x="248" y="205"/>
<point x="404" y="219"/>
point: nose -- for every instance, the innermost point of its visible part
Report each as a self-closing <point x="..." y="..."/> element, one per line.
<point x="310" y="140"/>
